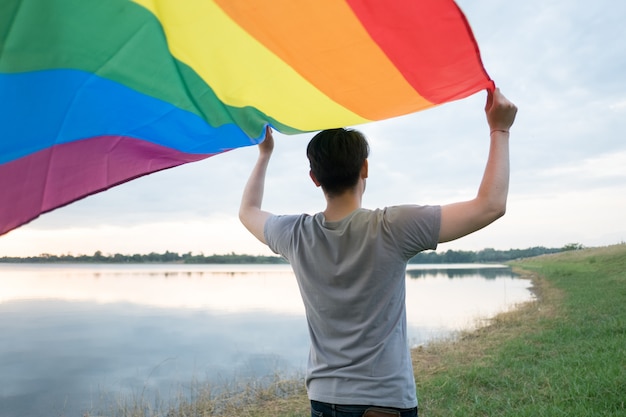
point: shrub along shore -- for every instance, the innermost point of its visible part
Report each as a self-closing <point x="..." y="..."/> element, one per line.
<point x="563" y="354"/>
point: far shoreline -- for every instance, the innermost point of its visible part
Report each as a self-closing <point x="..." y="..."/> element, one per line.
<point x="487" y="256"/>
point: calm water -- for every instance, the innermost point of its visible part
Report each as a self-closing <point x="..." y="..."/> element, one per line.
<point x="73" y="337"/>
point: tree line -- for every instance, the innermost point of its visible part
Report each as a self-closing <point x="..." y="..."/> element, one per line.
<point x="430" y="257"/>
<point x="153" y="257"/>
<point x="483" y="256"/>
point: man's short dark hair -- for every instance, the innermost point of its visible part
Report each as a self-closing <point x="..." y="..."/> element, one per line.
<point x="336" y="157"/>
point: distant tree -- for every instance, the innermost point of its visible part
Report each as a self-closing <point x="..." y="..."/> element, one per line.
<point x="573" y="246"/>
<point x="457" y="257"/>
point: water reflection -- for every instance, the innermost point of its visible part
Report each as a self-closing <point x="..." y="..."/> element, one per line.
<point x="222" y="288"/>
<point x="448" y="298"/>
<point x="72" y="354"/>
<point x="460" y="271"/>
<point x="71" y="335"/>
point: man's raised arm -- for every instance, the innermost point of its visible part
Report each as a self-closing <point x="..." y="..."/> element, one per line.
<point x="250" y="213"/>
<point x="460" y="219"/>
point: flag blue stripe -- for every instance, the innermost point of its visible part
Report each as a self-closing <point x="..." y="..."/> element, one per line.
<point x="40" y="109"/>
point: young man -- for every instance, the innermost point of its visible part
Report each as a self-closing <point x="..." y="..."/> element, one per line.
<point x="350" y="264"/>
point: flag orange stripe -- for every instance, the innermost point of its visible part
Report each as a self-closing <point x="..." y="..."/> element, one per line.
<point x="327" y="45"/>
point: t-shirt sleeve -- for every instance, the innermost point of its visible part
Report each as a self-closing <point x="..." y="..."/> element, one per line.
<point x="278" y="232"/>
<point x="416" y="228"/>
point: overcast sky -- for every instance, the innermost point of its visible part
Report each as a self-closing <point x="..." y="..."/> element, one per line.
<point x="563" y="62"/>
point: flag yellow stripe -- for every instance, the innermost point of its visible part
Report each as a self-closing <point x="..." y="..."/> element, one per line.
<point x="240" y="70"/>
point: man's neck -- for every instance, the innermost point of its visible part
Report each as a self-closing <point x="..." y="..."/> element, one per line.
<point x="341" y="206"/>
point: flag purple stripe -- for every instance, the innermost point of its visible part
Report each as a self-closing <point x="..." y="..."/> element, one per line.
<point x="51" y="174"/>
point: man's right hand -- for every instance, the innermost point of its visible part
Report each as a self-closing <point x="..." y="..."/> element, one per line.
<point x="500" y="111"/>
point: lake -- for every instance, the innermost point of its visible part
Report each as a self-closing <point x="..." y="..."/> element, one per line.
<point x="75" y="336"/>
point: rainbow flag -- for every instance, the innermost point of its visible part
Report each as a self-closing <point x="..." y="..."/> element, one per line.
<point x="94" y="93"/>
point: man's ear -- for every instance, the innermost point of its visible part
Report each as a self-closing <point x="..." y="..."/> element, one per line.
<point x="364" y="170"/>
<point x="317" y="183"/>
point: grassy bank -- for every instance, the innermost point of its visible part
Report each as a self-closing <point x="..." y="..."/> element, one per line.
<point x="562" y="355"/>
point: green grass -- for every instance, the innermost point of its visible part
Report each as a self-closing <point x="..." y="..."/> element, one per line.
<point x="564" y="355"/>
<point x="561" y="355"/>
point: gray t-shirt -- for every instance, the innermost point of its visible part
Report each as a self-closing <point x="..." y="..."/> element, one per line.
<point x="351" y="275"/>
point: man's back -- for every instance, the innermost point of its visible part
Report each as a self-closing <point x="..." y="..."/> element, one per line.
<point x="351" y="275"/>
